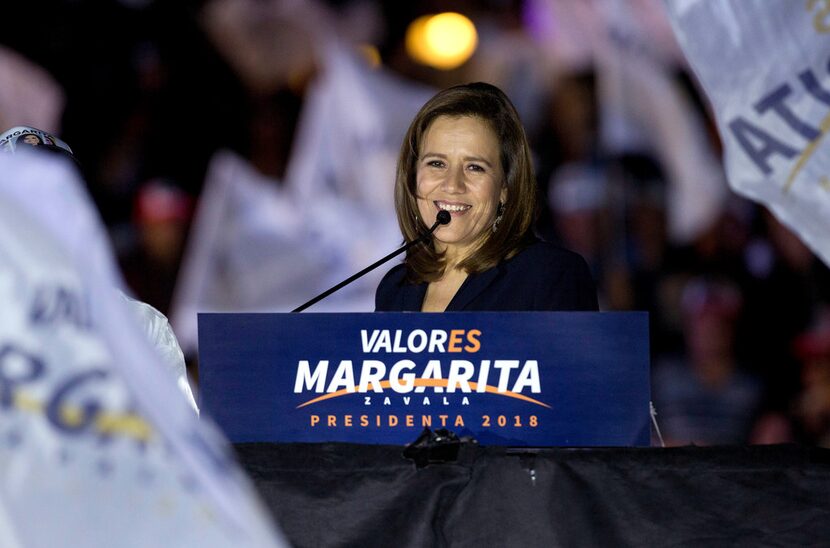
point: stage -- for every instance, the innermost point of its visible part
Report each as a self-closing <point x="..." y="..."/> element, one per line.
<point x="335" y="494"/>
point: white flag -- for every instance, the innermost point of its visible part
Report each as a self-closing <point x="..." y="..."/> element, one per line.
<point x="97" y="446"/>
<point x="765" y="66"/>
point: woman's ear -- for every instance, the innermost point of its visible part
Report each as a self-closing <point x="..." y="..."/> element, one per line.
<point x="503" y="194"/>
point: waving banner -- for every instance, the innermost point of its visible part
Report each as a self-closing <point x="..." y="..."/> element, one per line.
<point x="765" y="66"/>
<point x="97" y="445"/>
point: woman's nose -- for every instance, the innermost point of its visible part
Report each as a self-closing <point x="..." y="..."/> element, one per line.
<point x="454" y="181"/>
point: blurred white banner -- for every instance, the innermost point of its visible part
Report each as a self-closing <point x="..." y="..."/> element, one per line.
<point x="643" y="108"/>
<point x="97" y="445"/>
<point x="261" y="244"/>
<point x="764" y="65"/>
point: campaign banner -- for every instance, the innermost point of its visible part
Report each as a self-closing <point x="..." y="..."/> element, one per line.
<point x="527" y="379"/>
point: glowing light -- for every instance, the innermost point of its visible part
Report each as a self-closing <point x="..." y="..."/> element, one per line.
<point x="416" y="44"/>
<point x="370" y="54"/>
<point x="444" y="41"/>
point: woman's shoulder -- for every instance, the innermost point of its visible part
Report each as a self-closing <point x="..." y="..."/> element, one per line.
<point x="543" y="255"/>
<point x="558" y="278"/>
<point x="394" y="277"/>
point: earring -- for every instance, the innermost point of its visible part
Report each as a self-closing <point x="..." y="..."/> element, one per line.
<point x="499" y="215"/>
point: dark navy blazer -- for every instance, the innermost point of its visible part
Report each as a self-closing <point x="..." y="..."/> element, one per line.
<point x="540" y="277"/>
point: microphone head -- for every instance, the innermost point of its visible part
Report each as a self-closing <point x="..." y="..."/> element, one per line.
<point x="443" y="217"/>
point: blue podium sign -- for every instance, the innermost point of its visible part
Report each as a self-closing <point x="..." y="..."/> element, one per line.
<point x="517" y="379"/>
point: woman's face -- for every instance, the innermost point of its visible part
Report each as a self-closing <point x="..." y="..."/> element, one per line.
<point x="30" y="139"/>
<point x="459" y="170"/>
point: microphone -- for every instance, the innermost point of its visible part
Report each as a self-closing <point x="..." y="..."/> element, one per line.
<point x="443" y="218"/>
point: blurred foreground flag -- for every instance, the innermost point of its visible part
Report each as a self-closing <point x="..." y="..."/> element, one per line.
<point x="765" y="66"/>
<point x="97" y="446"/>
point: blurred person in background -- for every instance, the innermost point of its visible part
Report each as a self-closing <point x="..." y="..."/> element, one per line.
<point x="569" y="137"/>
<point x="787" y="289"/>
<point x="812" y="405"/>
<point x="705" y="397"/>
<point x="578" y="197"/>
<point x="161" y="215"/>
<point x="805" y="417"/>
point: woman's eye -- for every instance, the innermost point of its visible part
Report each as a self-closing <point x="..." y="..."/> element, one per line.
<point x="475" y="167"/>
<point x="435" y="163"/>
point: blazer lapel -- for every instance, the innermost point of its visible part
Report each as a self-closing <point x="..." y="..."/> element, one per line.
<point x="413" y="297"/>
<point x="472" y="287"/>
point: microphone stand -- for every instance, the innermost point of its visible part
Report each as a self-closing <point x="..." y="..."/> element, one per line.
<point x="442" y="218"/>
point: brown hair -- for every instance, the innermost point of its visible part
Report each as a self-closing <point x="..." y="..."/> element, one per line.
<point x="490" y="104"/>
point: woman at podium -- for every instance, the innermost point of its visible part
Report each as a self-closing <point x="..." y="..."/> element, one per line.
<point x="466" y="153"/>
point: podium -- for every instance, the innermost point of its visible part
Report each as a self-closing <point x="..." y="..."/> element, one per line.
<point x="593" y="381"/>
<point x="523" y="379"/>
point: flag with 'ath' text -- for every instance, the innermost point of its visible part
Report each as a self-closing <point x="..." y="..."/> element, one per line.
<point x="765" y="67"/>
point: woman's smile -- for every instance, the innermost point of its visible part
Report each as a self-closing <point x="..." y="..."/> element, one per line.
<point x="454" y="208"/>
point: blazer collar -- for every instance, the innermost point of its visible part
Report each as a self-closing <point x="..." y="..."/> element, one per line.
<point x="473" y="286"/>
<point x="413" y="296"/>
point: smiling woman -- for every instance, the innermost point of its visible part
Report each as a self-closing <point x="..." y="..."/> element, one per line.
<point x="466" y="153"/>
